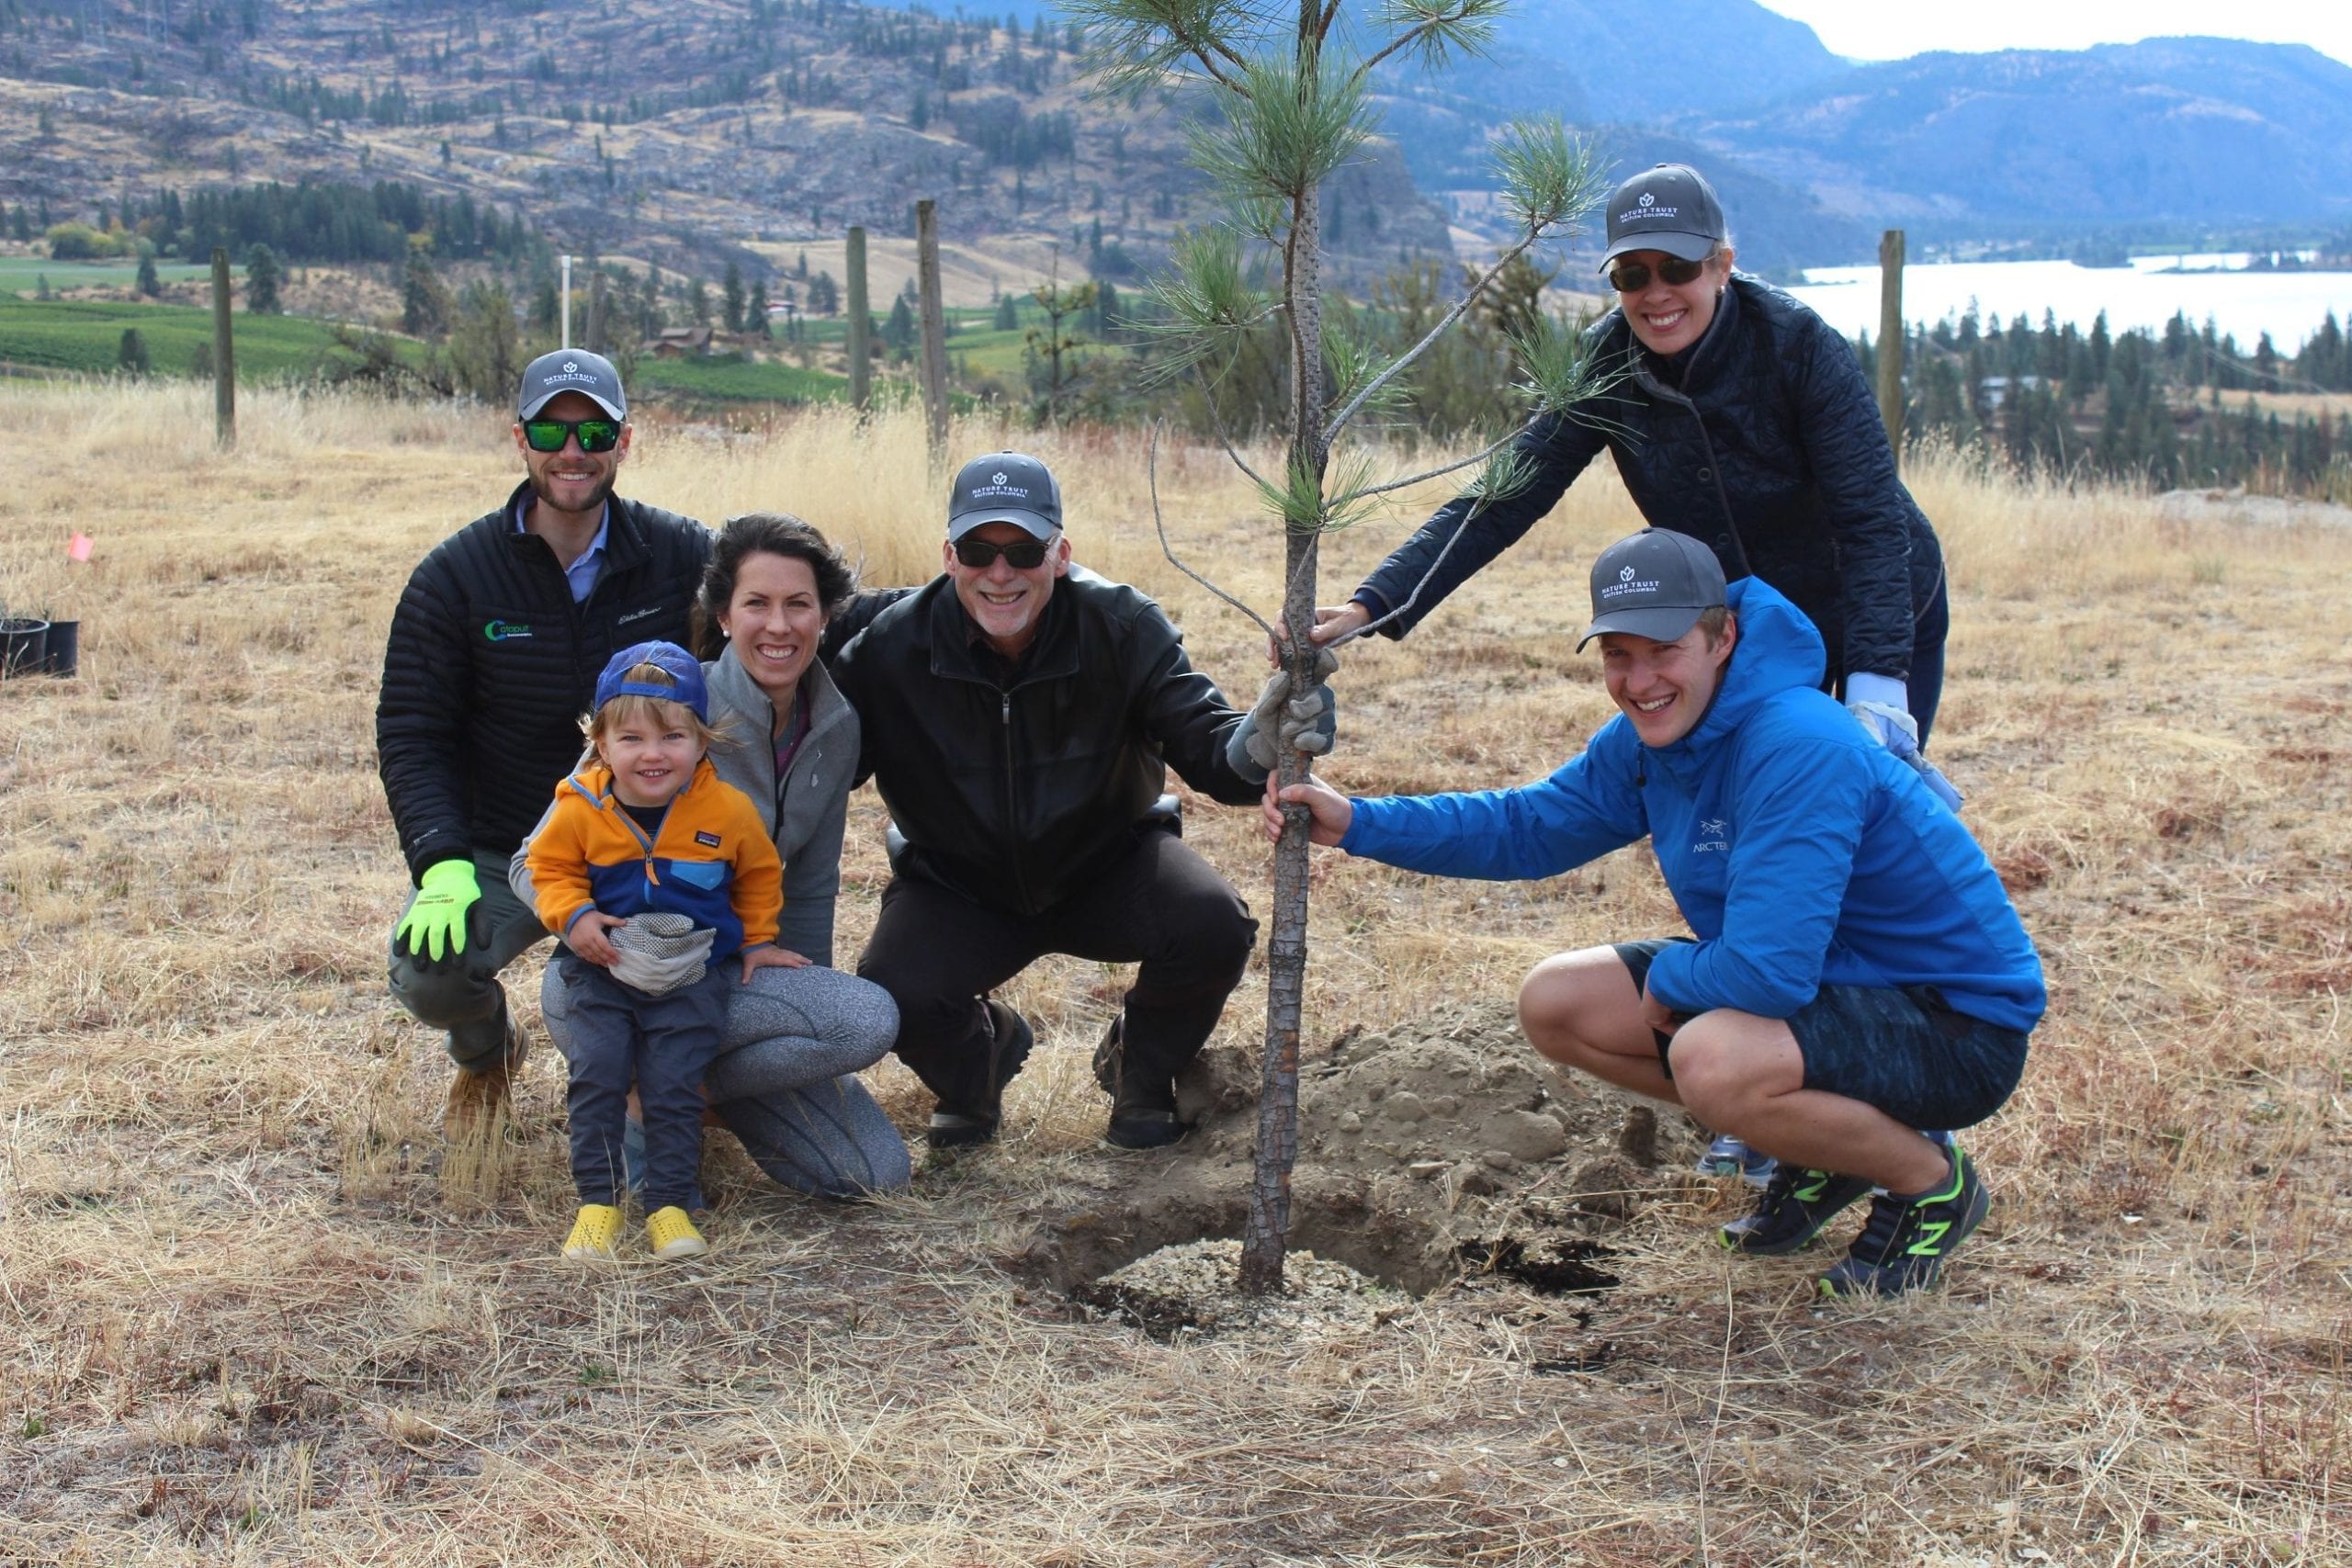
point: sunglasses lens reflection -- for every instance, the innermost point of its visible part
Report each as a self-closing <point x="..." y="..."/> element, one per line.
<point x="1024" y="555"/>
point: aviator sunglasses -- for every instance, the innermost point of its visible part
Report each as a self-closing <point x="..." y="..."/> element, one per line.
<point x="1633" y="277"/>
<point x="550" y="435"/>
<point x="1021" y="554"/>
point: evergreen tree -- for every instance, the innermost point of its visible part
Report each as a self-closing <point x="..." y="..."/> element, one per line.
<point x="732" y="294"/>
<point x="263" y="278"/>
<point x="150" y="283"/>
<point x="132" y="356"/>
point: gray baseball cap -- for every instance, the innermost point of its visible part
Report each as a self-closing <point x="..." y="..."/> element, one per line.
<point x="1670" y="208"/>
<point x="1005" y="487"/>
<point x="570" y="370"/>
<point x="1652" y="584"/>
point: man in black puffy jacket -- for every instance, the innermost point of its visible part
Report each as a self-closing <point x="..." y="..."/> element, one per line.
<point x="492" y="657"/>
<point x="1018" y="714"/>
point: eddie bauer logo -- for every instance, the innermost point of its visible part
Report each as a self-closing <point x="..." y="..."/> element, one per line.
<point x="638" y="614"/>
<point x="504" y="631"/>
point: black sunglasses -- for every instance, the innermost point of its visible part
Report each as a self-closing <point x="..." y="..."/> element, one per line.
<point x="550" y="435"/>
<point x="1021" y="554"/>
<point x="1632" y="278"/>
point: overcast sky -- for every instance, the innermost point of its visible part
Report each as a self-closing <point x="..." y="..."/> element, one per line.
<point x="1873" y="29"/>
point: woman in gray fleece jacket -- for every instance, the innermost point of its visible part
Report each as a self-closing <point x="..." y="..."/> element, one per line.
<point x="785" y="1081"/>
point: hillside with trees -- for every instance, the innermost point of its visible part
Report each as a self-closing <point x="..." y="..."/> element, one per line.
<point x="688" y="136"/>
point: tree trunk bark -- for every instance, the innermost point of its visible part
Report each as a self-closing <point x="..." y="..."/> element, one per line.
<point x="1268" y="1231"/>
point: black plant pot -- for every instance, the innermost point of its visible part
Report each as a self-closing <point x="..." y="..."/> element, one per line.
<point x="63" y="656"/>
<point x="24" y="645"/>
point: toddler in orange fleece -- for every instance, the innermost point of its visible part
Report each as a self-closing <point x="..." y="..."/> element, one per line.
<point x="648" y="830"/>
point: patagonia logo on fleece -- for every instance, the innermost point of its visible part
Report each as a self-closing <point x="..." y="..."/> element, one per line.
<point x="707" y="841"/>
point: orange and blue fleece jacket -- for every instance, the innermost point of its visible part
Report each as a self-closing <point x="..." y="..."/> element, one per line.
<point x="711" y="861"/>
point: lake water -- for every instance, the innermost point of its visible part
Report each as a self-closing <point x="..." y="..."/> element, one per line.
<point x="2286" y="305"/>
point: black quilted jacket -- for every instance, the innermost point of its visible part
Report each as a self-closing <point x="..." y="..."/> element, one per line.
<point x="1769" y="448"/>
<point x="1012" y="793"/>
<point x="489" y="665"/>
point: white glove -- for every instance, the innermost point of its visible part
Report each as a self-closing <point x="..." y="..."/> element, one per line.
<point x="660" y="951"/>
<point x="1894" y="728"/>
<point x="1884" y="705"/>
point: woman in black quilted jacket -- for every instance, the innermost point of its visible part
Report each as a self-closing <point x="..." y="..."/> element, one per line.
<point x="1736" y="416"/>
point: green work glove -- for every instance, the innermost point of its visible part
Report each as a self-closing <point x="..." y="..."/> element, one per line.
<point x="436" y="921"/>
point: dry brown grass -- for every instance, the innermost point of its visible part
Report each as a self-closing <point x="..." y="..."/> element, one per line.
<point x="246" y="1323"/>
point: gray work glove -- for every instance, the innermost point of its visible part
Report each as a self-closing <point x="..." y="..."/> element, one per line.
<point x="1895" y="730"/>
<point x="660" y="951"/>
<point x="1308" y="723"/>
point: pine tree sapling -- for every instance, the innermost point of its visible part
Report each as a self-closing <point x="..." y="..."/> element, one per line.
<point x="1295" y="107"/>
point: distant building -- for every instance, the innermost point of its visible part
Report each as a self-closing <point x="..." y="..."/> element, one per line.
<point x="678" y="343"/>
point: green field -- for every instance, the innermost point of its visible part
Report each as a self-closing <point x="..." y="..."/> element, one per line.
<point x="22" y="275"/>
<point x="65" y="334"/>
<point x="729" y="378"/>
<point x="86" y="337"/>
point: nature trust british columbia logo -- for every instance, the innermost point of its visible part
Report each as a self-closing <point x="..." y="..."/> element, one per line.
<point x="1647" y="200"/>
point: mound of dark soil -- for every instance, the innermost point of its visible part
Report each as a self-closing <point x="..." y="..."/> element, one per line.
<point x="1428" y="1153"/>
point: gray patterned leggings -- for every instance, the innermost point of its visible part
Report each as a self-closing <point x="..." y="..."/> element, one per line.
<point x="785" y="1081"/>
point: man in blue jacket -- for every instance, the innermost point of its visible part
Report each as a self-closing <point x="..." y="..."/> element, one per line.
<point x="1858" y="972"/>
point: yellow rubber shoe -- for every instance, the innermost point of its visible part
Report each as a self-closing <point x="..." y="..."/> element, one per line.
<point x="594" y="1233"/>
<point x="671" y="1235"/>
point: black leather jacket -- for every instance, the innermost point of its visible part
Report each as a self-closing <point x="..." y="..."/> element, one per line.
<point x="1011" y="785"/>
<point x="489" y="666"/>
<point x="1769" y="448"/>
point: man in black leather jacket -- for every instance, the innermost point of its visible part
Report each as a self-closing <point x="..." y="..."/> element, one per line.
<point x="492" y="656"/>
<point x="1739" y="417"/>
<point x="1018" y="714"/>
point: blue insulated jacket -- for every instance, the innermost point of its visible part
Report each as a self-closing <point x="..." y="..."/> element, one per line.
<point x="1802" y="853"/>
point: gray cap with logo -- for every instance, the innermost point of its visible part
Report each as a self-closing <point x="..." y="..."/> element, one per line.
<point x="1652" y="584"/>
<point x="1670" y="208"/>
<point x="550" y="376"/>
<point x="1005" y="487"/>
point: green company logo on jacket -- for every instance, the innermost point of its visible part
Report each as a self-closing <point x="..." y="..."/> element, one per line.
<point x="504" y="631"/>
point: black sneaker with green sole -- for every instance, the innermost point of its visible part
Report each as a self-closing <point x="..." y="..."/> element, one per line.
<point x="1794" y="1208"/>
<point x="1903" y="1246"/>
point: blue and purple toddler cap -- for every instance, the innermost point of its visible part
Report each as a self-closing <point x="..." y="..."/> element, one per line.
<point x="685" y="672"/>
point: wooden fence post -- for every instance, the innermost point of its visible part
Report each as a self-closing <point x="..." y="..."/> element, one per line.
<point x="224" y="357"/>
<point x="934" y="324"/>
<point x="861" y="323"/>
<point x="1890" y="340"/>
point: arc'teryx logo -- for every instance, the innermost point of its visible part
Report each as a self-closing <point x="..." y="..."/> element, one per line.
<point x="504" y="631"/>
<point x="1712" y="839"/>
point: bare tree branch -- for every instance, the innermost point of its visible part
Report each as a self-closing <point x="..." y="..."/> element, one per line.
<point x="1208" y="398"/>
<point x="1411" y="599"/>
<point x="1410" y="480"/>
<point x="1151" y="465"/>
<point x="1405" y="361"/>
